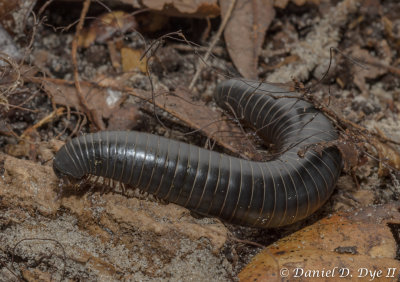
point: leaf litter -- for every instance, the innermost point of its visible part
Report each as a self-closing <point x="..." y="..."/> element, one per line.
<point x="194" y="111"/>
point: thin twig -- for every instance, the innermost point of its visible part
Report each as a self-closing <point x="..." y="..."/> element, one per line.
<point x="43" y="121"/>
<point x="213" y="43"/>
<point x="82" y="100"/>
<point x="64" y="257"/>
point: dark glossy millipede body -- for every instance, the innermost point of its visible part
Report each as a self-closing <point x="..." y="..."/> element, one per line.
<point x="260" y="194"/>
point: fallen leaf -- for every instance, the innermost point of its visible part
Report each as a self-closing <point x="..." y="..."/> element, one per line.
<point x="105" y="100"/>
<point x="195" y="114"/>
<point x="131" y="60"/>
<point x="245" y="32"/>
<point x="106" y="96"/>
<point x="356" y="245"/>
<point x="105" y="26"/>
<point x="350" y="153"/>
<point x="102" y="102"/>
<point x="199" y="116"/>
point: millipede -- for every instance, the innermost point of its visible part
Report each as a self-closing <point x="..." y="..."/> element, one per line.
<point x="266" y="194"/>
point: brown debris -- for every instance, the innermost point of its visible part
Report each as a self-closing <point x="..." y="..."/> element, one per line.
<point x="104" y="27"/>
<point x="193" y="8"/>
<point x="369" y="72"/>
<point x="28" y="145"/>
<point x="132" y="60"/>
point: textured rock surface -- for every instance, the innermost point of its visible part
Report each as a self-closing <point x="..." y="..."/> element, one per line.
<point x="100" y="237"/>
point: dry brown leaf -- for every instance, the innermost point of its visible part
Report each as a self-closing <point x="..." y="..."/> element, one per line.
<point x="195" y="114"/>
<point x="105" y="101"/>
<point x="180" y="104"/>
<point x="192" y="8"/>
<point x="198" y="116"/>
<point x="357" y="245"/>
<point x="350" y="154"/>
<point x="105" y="26"/>
<point x="245" y="32"/>
<point x="102" y="102"/>
<point x="131" y="60"/>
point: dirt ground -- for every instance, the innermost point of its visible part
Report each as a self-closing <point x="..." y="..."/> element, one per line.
<point x="46" y="236"/>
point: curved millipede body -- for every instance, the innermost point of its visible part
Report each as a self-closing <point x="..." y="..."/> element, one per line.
<point x="260" y="194"/>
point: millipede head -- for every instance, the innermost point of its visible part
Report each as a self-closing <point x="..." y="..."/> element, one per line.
<point x="63" y="165"/>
